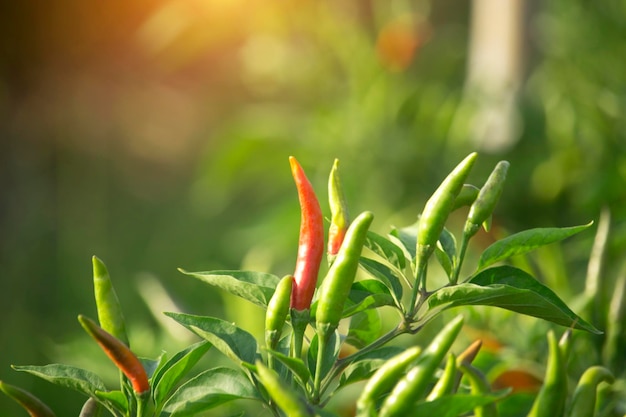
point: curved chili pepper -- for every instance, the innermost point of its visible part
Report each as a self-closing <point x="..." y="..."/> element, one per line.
<point x="487" y="198"/>
<point x="120" y="354"/>
<point x="446" y="383"/>
<point x="384" y="379"/>
<point x="339" y="219"/>
<point x="550" y="401"/>
<point x="336" y="286"/>
<point x="440" y="204"/>
<point x="311" y="244"/>
<point x="584" y="400"/>
<point x="109" y="310"/>
<point x="277" y="310"/>
<point x="32" y="404"/>
<point x="413" y="385"/>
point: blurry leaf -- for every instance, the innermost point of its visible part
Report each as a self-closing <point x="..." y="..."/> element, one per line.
<point x="359" y="371"/>
<point x="175" y="369"/>
<point x="229" y="339"/>
<point x="367" y="294"/>
<point x="524" y="242"/>
<point x="295" y="365"/>
<point x="115" y="398"/>
<point x="408" y="237"/>
<point x="386" y="249"/>
<point x="512" y="289"/>
<point x="385" y="275"/>
<point x="208" y="390"/>
<point x="445" y="251"/>
<point x="256" y="287"/>
<point x="150" y="365"/>
<point x="365" y="327"/>
<point x="81" y="380"/>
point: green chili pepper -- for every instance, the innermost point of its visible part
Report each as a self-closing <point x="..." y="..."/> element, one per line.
<point x="479" y="385"/>
<point x="384" y="379"/>
<point x="411" y="388"/>
<point x="336" y="286"/>
<point x="120" y="354"/>
<point x="282" y="393"/>
<point x="446" y="383"/>
<point x="440" y="204"/>
<point x="433" y="219"/>
<point x="311" y="244"/>
<point x="32" y="404"/>
<point x="466" y="196"/>
<point x="487" y="199"/>
<point x="277" y="310"/>
<point x="339" y="219"/>
<point x="584" y="400"/>
<point x="550" y="401"/>
<point x="109" y="311"/>
<point x="91" y="408"/>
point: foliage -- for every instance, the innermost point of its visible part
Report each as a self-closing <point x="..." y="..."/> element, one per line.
<point x="303" y="382"/>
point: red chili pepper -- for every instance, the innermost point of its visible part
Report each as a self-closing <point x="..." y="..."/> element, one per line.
<point x="311" y="244"/>
<point x="120" y="354"/>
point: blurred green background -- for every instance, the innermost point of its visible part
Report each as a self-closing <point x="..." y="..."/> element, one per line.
<point x="155" y="135"/>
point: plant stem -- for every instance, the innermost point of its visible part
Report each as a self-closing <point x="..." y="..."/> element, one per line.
<point x="420" y="283"/>
<point x="457" y="270"/>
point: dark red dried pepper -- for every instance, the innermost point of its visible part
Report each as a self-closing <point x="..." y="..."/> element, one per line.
<point x="311" y="244"/>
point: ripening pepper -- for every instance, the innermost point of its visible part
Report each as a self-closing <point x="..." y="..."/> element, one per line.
<point x="339" y="219"/>
<point x="311" y="243"/>
<point x="120" y="354"/>
<point x="32" y="404"/>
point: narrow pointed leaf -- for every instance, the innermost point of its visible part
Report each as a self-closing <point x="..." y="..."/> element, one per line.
<point x="295" y="365"/>
<point x="385" y="274"/>
<point x="256" y="287"/>
<point x="208" y="390"/>
<point x="175" y="369"/>
<point x="67" y="376"/>
<point x="512" y="289"/>
<point x="229" y="339"/>
<point x="365" y="328"/>
<point x="367" y="294"/>
<point x="524" y="242"/>
<point x="386" y="249"/>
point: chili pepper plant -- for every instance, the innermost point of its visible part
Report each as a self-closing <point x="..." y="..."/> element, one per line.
<point x="326" y="334"/>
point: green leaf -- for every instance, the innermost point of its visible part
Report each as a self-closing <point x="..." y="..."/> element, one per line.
<point x="445" y="251"/>
<point x="295" y="365"/>
<point x="257" y="287"/>
<point x="229" y="339"/>
<point x="150" y="365"/>
<point x="116" y="399"/>
<point x="512" y="289"/>
<point x="386" y="249"/>
<point x="367" y="294"/>
<point x="80" y="380"/>
<point x="408" y="237"/>
<point x="330" y="356"/>
<point x="175" y="369"/>
<point x="384" y="274"/>
<point x="359" y="371"/>
<point x="524" y="242"/>
<point x="208" y="390"/>
<point x="455" y="405"/>
<point x="365" y="327"/>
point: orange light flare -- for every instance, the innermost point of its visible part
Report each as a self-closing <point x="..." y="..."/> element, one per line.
<point x="399" y="40"/>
